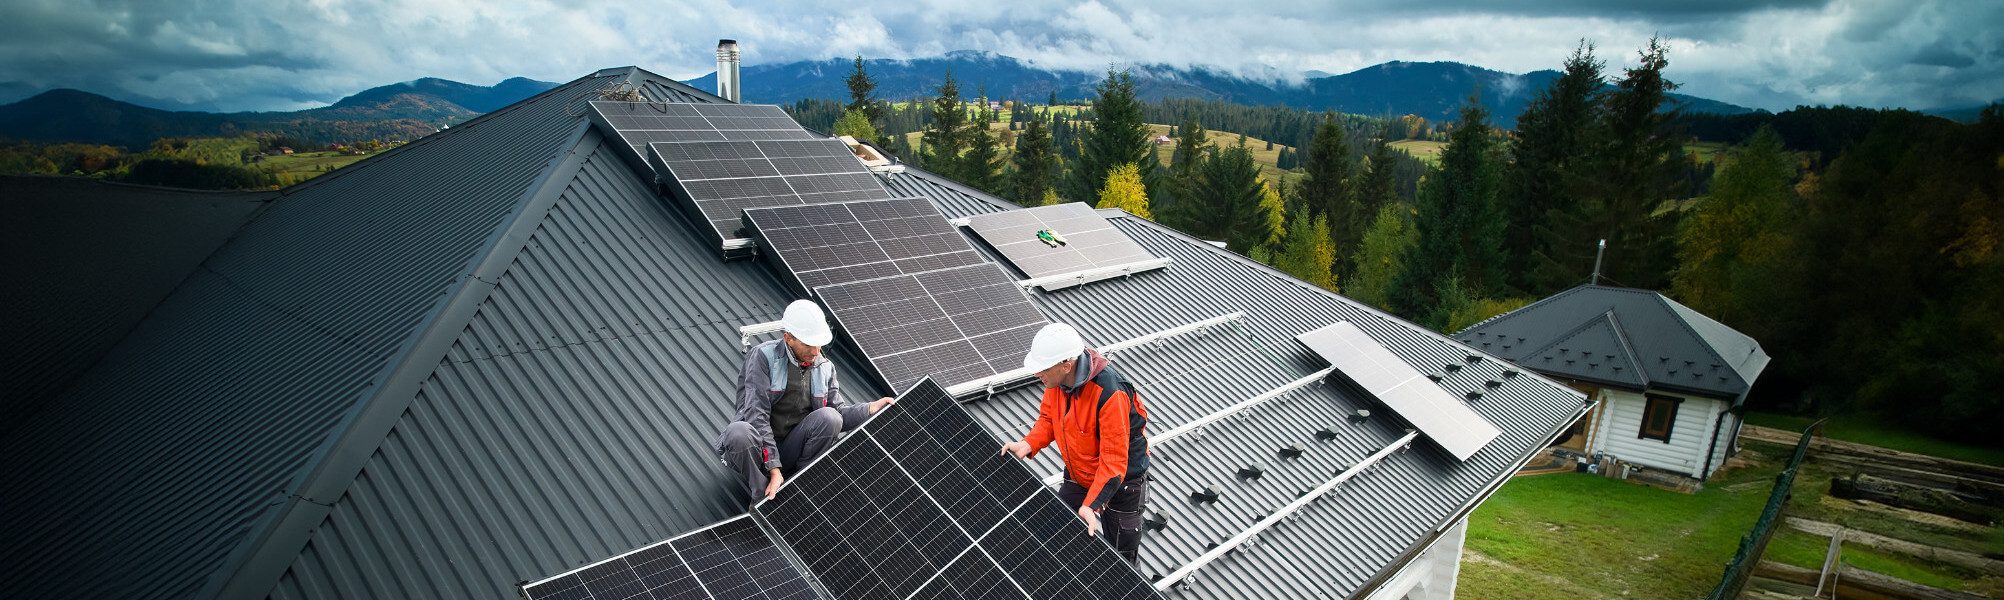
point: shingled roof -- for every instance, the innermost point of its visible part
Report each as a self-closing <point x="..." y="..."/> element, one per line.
<point x="496" y="353"/>
<point x="1624" y="337"/>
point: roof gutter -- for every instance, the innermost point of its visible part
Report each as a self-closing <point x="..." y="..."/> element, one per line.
<point x="1413" y="552"/>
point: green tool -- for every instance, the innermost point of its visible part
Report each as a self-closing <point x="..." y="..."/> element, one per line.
<point x="1051" y="238"/>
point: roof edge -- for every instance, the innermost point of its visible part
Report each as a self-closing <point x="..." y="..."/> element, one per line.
<point x="255" y="567"/>
<point x="671" y="82"/>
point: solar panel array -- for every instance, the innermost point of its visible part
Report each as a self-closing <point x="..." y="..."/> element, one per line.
<point x="921" y="504"/>
<point x="1438" y="415"/>
<point x="731" y="560"/>
<point x="723" y="179"/>
<point x="958" y="324"/>
<point x="1090" y="241"/>
<point x="725" y="158"/>
<point x="828" y="244"/>
<point x="642" y="123"/>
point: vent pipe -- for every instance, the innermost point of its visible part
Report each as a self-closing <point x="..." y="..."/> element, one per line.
<point x="727" y="70"/>
<point x="1597" y="254"/>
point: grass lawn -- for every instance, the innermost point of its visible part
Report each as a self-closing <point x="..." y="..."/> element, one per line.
<point x="1866" y="430"/>
<point x="1425" y="150"/>
<point x="307" y="165"/>
<point x="1705" y="152"/>
<point x="1578" y="535"/>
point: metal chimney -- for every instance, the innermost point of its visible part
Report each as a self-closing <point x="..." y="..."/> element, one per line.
<point x="727" y="70"/>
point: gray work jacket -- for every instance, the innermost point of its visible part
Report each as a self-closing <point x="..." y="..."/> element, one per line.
<point x="763" y="380"/>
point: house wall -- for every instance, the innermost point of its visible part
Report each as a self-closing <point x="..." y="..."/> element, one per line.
<point x="1621" y="422"/>
<point x="1433" y="574"/>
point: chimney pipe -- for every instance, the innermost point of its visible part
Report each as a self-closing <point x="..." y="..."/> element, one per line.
<point x="1596" y="255"/>
<point x="727" y="70"/>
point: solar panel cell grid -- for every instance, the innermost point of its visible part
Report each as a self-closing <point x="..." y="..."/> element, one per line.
<point x="731" y="560"/>
<point x="1090" y="241"/>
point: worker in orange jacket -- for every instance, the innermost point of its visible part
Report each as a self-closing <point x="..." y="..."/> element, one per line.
<point x="1100" y="427"/>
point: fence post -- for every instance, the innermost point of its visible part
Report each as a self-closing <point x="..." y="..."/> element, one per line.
<point x="1754" y="543"/>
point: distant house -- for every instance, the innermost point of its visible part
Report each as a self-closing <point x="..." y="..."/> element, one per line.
<point x="1671" y="382"/>
<point x="1163" y="140"/>
<point x="284" y="150"/>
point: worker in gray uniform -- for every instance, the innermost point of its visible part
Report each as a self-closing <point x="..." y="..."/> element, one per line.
<point x="789" y="406"/>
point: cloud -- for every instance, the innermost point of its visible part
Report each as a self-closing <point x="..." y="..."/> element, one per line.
<point x="262" y="55"/>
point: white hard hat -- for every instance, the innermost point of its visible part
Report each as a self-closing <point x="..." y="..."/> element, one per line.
<point x="804" y="320"/>
<point x="1055" y="343"/>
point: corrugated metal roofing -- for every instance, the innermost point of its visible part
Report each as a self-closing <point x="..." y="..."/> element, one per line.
<point x="167" y="468"/>
<point x="1358" y="534"/>
<point x="1676" y="348"/>
<point x="86" y="260"/>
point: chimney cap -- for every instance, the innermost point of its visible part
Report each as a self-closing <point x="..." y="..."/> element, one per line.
<point x="727" y="42"/>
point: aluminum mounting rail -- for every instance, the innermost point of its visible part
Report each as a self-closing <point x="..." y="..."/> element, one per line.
<point x="740" y="243"/>
<point x="1179" y="431"/>
<point x="1292" y="507"/>
<point x="1126" y="269"/>
<point x="991" y="382"/>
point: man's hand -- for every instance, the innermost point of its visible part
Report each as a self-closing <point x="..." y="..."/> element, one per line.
<point x="773" y="479"/>
<point x="1091" y="519"/>
<point x="880" y="403"/>
<point x="1019" y="448"/>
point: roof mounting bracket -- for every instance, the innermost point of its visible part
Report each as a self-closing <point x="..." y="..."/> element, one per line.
<point x="745" y="333"/>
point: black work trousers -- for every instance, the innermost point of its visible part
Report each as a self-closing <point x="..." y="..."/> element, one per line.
<point x="1120" y="521"/>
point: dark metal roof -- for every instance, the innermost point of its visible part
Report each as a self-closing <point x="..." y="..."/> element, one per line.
<point x="86" y="260"/>
<point x="1350" y="540"/>
<point x="496" y="354"/>
<point x="1624" y="337"/>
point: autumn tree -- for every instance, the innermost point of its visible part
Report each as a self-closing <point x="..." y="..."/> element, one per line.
<point x="1124" y="190"/>
<point x="856" y="124"/>
<point x="1307" y="253"/>
<point x="1460" y="246"/>
<point x="1381" y="257"/>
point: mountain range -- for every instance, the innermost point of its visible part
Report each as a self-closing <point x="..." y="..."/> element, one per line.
<point x="1434" y="90"/>
<point x="405" y="110"/>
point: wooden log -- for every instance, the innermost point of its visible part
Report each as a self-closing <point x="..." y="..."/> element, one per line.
<point x="1967" y="560"/>
<point x="1853" y="582"/>
<point x="1892" y="493"/>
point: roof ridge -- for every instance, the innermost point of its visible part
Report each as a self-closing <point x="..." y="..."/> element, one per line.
<point x="1614" y="329"/>
<point x="429" y="139"/>
<point x="634" y="70"/>
<point x="1665" y="301"/>
<point x="331" y="470"/>
<point x="1627" y="349"/>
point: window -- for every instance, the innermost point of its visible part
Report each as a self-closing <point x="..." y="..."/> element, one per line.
<point x="1657" y="417"/>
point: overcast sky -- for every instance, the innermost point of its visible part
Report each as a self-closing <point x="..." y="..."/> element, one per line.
<point x="285" y="55"/>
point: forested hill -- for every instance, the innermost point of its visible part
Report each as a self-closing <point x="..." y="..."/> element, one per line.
<point x="397" y="111"/>
<point x="1431" y="90"/>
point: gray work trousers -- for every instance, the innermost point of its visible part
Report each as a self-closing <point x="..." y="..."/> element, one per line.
<point x="741" y="452"/>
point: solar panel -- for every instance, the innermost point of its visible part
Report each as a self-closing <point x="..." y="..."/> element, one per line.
<point x="957" y="324"/>
<point x="827" y="244"/>
<point x="722" y="179"/>
<point x="1090" y="241"/>
<point x="642" y="123"/>
<point x="1438" y="415"/>
<point x="726" y="561"/>
<point x="920" y="504"/>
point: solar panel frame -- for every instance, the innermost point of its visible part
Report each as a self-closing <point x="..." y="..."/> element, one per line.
<point x="731" y="559"/>
<point x="835" y="243"/>
<point x="1091" y="242"/>
<point x="903" y="325"/>
<point x="1438" y="415"/>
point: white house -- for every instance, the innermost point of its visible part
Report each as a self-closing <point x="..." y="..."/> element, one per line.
<point x="1670" y="381"/>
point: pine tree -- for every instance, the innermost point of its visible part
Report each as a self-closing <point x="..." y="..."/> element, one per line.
<point x="1036" y="165"/>
<point x="1549" y="159"/>
<point x="1186" y="174"/>
<point x="1118" y="135"/>
<point x="861" y="94"/>
<point x="1636" y="159"/>
<point x="945" y="138"/>
<point x="1325" y="189"/>
<point x="1460" y="231"/>
<point x="1229" y="199"/>
<point x="1124" y="190"/>
<point x="1380" y="185"/>
<point x="981" y="167"/>
<point x="1381" y="257"/>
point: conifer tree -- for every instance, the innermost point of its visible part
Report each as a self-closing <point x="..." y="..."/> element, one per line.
<point x="1549" y="160"/>
<point x="1460" y="245"/>
<point x="1117" y="135"/>
<point x="945" y="138"/>
<point x="1230" y="197"/>
<point x="1036" y="165"/>
<point x="862" y="89"/>
<point x="1124" y="190"/>
<point x="1186" y="174"/>
<point x="1379" y="187"/>
<point x="981" y="166"/>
